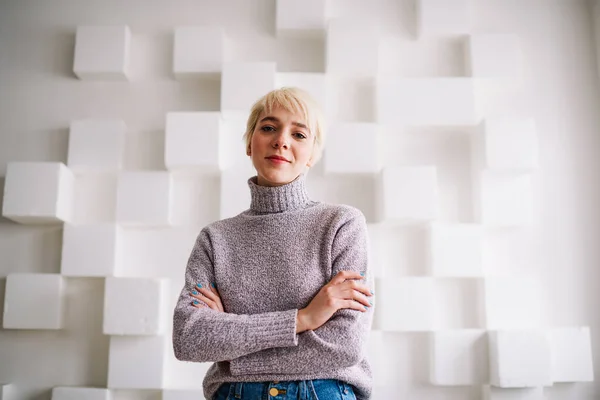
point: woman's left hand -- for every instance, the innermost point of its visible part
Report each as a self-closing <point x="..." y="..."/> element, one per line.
<point x="209" y="296"/>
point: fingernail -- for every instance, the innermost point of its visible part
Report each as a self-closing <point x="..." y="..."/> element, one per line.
<point x="370" y="302"/>
<point x="372" y="292"/>
<point x="194" y="292"/>
<point x="199" y="285"/>
<point x="213" y="285"/>
<point x="362" y="274"/>
<point x="196" y="302"/>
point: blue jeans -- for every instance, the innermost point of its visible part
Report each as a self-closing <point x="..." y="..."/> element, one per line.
<point x="316" y="389"/>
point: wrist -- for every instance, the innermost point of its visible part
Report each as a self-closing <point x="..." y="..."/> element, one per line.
<point x="301" y="323"/>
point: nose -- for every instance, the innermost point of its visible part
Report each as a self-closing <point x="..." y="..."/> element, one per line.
<point x="280" y="140"/>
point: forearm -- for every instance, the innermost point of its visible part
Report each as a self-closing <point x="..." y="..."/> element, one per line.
<point x="203" y="335"/>
<point x="336" y="344"/>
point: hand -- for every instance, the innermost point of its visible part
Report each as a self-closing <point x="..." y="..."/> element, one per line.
<point x="343" y="291"/>
<point x="210" y="297"/>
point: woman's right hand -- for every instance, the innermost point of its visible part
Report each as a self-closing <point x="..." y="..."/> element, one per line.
<point x="343" y="291"/>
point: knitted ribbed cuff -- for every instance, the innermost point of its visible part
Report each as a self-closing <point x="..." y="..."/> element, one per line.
<point x="274" y="329"/>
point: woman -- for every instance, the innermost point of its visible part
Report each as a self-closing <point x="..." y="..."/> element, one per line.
<point x="279" y="295"/>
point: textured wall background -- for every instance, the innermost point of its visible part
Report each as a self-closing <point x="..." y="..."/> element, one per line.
<point x="439" y="309"/>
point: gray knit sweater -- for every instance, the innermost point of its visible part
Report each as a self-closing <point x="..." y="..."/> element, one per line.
<point x="267" y="263"/>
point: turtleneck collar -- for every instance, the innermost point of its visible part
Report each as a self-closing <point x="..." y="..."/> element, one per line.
<point x="274" y="199"/>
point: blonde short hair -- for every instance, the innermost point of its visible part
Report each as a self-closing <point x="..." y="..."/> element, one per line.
<point x="294" y="100"/>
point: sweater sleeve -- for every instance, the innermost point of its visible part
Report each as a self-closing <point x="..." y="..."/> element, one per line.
<point x="203" y="334"/>
<point x="341" y="340"/>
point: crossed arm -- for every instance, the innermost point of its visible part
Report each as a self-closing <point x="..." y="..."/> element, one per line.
<point x="268" y="342"/>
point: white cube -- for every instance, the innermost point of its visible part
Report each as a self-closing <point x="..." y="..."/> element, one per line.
<point x="8" y="392"/>
<point x="405" y="304"/>
<point x="505" y="144"/>
<point x="90" y="250"/>
<point x="511" y="302"/>
<point x="33" y="301"/>
<point x="495" y="393"/>
<point x="102" y="52"/>
<point x="519" y="358"/>
<point x="459" y="357"/>
<point x="455" y="250"/>
<point x="443" y="17"/>
<point x="242" y="84"/>
<point x="136" y="362"/>
<point x="502" y="199"/>
<point x="494" y="55"/>
<point x="571" y="354"/>
<point x="144" y="198"/>
<point x="353" y="148"/>
<point x="174" y="394"/>
<point x="352" y="49"/>
<point x="235" y="194"/>
<point x="426" y="101"/>
<point x="408" y="193"/>
<point x="198" y="51"/>
<point x="80" y="393"/>
<point x="306" y="18"/>
<point x="96" y="145"/>
<point x="313" y="83"/>
<point x="195" y="142"/>
<point x="38" y="193"/>
<point x="134" y="306"/>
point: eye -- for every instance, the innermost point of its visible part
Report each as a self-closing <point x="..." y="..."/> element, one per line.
<point x="267" y="128"/>
<point x="302" y="136"/>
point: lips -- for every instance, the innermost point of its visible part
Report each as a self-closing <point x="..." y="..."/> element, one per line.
<point x="278" y="158"/>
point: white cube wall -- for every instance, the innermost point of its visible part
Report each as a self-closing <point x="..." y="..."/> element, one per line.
<point x="455" y="250"/>
<point x="244" y="83"/>
<point x="80" y="393"/>
<point x="102" y="52"/>
<point x="408" y="194"/>
<point x="198" y="51"/>
<point x="173" y="394"/>
<point x="90" y="250"/>
<point x="96" y="145"/>
<point x="38" y="193"/>
<point x="144" y="198"/>
<point x="7" y="392"/>
<point x="459" y="358"/>
<point x="426" y="101"/>
<point x="353" y="148"/>
<point x="352" y="49"/>
<point x="571" y="354"/>
<point x="502" y="199"/>
<point x="306" y="18"/>
<point x="134" y="306"/>
<point x="33" y="301"/>
<point x="313" y="83"/>
<point x="443" y="17"/>
<point x="494" y="56"/>
<point x="505" y="144"/>
<point x="519" y="358"/>
<point x="405" y="304"/>
<point x="495" y="393"/>
<point x="136" y="362"/>
<point x="511" y="302"/>
<point x="194" y="141"/>
<point x="234" y="194"/>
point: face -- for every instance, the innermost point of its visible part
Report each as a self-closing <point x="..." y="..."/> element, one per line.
<point x="283" y="134"/>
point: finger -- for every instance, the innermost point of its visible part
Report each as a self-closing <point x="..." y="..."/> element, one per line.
<point x="213" y="287"/>
<point x="354" y="305"/>
<point x="214" y="298"/>
<point x="198" y="304"/>
<point x="343" y="275"/>
<point x="360" y="287"/>
<point x="361" y="298"/>
<point x="209" y="302"/>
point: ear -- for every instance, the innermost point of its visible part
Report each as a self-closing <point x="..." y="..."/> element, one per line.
<point x="248" y="151"/>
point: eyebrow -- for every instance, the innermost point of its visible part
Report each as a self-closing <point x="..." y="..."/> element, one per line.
<point x="274" y="119"/>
